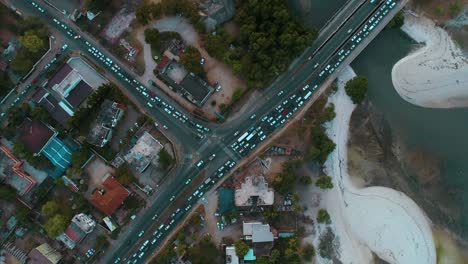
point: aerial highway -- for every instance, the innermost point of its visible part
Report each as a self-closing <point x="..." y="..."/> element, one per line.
<point x="215" y="158"/>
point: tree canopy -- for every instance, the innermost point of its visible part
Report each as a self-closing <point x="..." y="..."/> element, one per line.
<point x="269" y="39"/>
<point x="356" y="88"/>
<point x="55" y="225"/>
<point x="323" y="216"/>
<point x="241" y="248"/>
<point x="50" y="208"/>
<point x="31" y="41"/>
<point x="324" y="182"/>
<point x="191" y="58"/>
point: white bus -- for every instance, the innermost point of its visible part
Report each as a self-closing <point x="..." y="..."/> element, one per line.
<point x="242" y="137"/>
<point x="307" y="95"/>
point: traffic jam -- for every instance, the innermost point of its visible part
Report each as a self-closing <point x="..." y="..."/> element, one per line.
<point x="151" y="98"/>
<point x="257" y="133"/>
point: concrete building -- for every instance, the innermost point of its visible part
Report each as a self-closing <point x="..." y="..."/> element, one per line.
<point x="254" y="192"/>
<point x="190" y="86"/>
<point x="11" y="172"/>
<point x="144" y="152"/>
<point x="42" y="139"/>
<point x="231" y="256"/>
<point x="80" y="226"/>
<point x="44" y="254"/>
<point x="261" y="236"/>
<point x="101" y="130"/>
<point x="68" y="89"/>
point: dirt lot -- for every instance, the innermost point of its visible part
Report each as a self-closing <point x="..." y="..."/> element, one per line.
<point x="96" y="170"/>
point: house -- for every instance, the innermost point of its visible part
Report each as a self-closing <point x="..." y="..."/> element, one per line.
<point x="261" y="236"/>
<point x="44" y="254"/>
<point x="41" y="139"/>
<point x="11" y="172"/>
<point x="110" y="197"/>
<point x="254" y="192"/>
<point x="80" y="226"/>
<point x="143" y="153"/>
<point x="67" y="89"/>
<point x="101" y="131"/>
<point x="231" y="256"/>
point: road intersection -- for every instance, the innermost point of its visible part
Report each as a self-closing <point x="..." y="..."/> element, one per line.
<point x="231" y="142"/>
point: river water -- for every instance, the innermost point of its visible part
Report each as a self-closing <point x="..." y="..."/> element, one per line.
<point x="442" y="133"/>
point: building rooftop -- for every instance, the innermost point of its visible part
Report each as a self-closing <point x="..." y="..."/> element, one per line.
<point x="257" y="232"/>
<point x="58" y="77"/>
<point x="51" y="105"/>
<point x="144" y="152"/>
<point x="44" y="254"/>
<point x="101" y="131"/>
<point x="197" y="88"/>
<point x="34" y="134"/>
<point x="108" y="199"/>
<point x="77" y="96"/>
<point x="254" y="191"/>
<point x="84" y="222"/>
<point x="12" y="173"/>
<point x="58" y="153"/>
<point x="231" y="256"/>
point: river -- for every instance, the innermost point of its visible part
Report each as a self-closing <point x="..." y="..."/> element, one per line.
<point x="441" y="132"/>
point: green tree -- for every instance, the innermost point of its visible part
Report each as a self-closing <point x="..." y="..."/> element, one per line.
<point x="241" y="248"/>
<point x="356" y="88"/>
<point x="308" y="252"/>
<point x="397" y="21"/>
<point x="32" y="42"/>
<point x="22" y="62"/>
<point x="23" y="214"/>
<point x="125" y="175"/>
<point x="55" y="225"/>
<point x="7" y="193"/>
<point x="237" y="95"/>
<point x="191" y="58"/>
<point x="324" y="182"/>
<point x="322" y="143"/>
<point x="50" y="208"/>
<point x="101" y="242"/>
<point x="270" y="214"/>
<point x="455" y="8"/>
<point x="326" y="248"/>
<point x="204" y="252"/>
<point x="165" y="159"/>
<point x="305" y="180"/>
<point x="328" y="113"/>
<point x="323" y="216"/>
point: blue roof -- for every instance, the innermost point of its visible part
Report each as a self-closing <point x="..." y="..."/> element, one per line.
<point x="58" y="153"/>
<point x="250" y="255"/>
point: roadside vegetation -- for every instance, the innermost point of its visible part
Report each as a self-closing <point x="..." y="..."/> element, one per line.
<point x="191" y="58"/>
<point x="269" y="39"/>
<point x="34" y="35"/>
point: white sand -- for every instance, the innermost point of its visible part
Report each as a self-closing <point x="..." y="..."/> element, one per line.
<point x="376" y="219"/>
<point x="435" y="75"/>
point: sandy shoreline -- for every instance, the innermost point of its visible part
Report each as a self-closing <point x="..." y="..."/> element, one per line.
<point x="376" y="219"/>
<point x="435" y="75"/>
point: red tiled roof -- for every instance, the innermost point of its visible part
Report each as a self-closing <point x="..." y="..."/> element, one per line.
<point x="162" y="63"/>
<point x="113" y="196"/>
<point x="73" y="234"/>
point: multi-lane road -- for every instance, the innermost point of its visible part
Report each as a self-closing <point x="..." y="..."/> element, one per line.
<point x="214" y="149"/>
